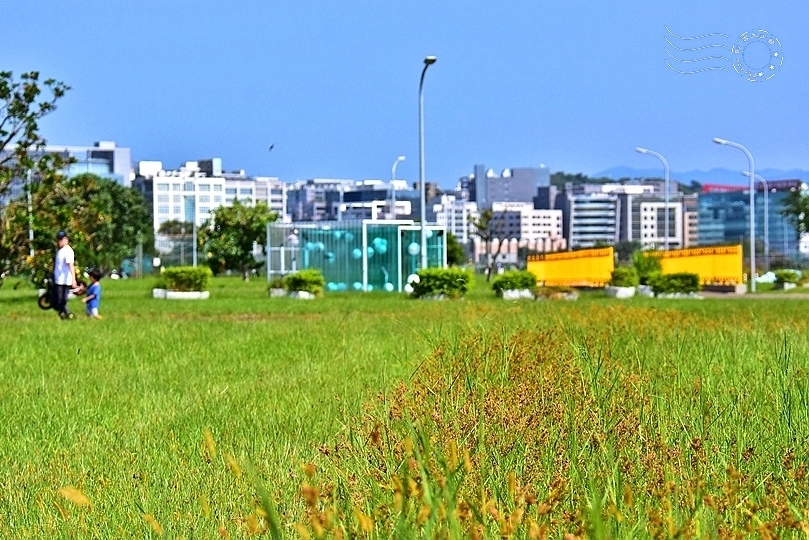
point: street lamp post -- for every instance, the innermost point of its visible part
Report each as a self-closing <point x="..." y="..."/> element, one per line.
<point x="30" y="216"/>
<point x="766" y="218"/>
<point x="428" y="61"/>
<point x="752" y="175"/>
<point x="392" y="187"/>
<point x="182" y="246"/>
<point x="665" y="194"/>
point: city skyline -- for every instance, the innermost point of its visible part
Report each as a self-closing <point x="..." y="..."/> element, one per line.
<point x="333" y="90"/>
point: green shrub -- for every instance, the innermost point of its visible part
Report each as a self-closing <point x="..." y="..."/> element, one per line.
<point x="515" y="280"/>
<point x="186" y="278"/>
<point x="682" y="282"/>
<point x="450" y="282"/>
<point x="625" y="276"/>
<point x="646" y="266"/>
<point x="277" y="283"/>
<point x="787" y="276"/>
<point x="309" y="280"/>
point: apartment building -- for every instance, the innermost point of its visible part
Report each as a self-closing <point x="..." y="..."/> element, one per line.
<point x="522" y="228"/>
<point x="192" y="192"/>
<point x="455" y="214"/>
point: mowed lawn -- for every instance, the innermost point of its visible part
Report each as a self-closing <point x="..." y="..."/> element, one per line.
<point x="165" y="416"/>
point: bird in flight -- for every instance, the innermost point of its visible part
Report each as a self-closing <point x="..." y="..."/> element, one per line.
<point x="271" y="147"/>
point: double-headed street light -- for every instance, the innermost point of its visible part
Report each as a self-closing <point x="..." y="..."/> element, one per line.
<point x="766" y="218"/>
<point x="752" y="176"/>
<point x="393" y="187"/>
<point x="665" y="194"/>
<point x="428" y="61"/>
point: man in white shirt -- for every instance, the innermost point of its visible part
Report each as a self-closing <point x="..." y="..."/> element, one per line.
<point x="64" y="275"/>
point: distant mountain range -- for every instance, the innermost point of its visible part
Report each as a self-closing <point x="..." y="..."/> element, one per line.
<point x="714" y="176"/>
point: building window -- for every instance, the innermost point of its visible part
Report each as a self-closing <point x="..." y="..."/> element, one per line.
<point x="204" y="198"/>
<point x="228" y="200"/>
<point x="189" y="186"/>
<point x="217" y="198"/>
<point x="162" y="198"/>
<point x="176" y="209"/>
<point x="246" y="191"/>
<point x="217" y="187"/>
<point x="162" y="220"/>
<point x="205" y="187"/>
<point x="204" y="210"/>
<point x="162" y="187"/>
<point x="230" y="191"/>
<point x="178" y="198"/>
<point x="162" y="209"/>
<point x="175" y="187"/>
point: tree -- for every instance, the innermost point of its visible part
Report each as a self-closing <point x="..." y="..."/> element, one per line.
<point x="797" y="207"/>
<point x="491" y="227"/>
<point x="20" y="113"/>
<point x="228" y="238"/>
<point x="103" y="218"/>
<point x="20" y="140"/>
<point x="175" y="227"/>
<point x="624" y="250"/>
<point x="456" y="253"/>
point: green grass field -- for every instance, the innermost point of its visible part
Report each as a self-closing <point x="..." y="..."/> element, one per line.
<point x="376" y="415"/>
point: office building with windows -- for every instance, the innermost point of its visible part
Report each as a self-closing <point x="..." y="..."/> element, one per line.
<point x="192" y="192"/>
<point x="104" y="159"/>
<point x="724" y="217"/>
<point x="519" y="184"/>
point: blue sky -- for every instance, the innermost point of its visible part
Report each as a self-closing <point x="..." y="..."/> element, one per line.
<point x="334" y="84"/>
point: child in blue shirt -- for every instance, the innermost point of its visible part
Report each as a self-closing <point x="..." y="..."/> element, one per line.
<point x="93" y="297"/>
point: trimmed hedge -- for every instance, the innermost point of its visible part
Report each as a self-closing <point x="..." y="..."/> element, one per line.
<point x="787" y="276"/>
<point x="277" y="283"/>
<point x="515" y="280"/>
<point x="682" y="282"/>
<point x="625" y="276"/>
<point x="309" y="280"/>
<point x="186" y="278"/>
<point x="449" y="282"/>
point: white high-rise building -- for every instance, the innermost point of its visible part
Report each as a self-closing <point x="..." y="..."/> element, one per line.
<point x="192" y="192"/>
<point x="519" y="225"/>
<point x="456" y="215"/>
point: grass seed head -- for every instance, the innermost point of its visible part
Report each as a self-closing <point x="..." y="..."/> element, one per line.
<point x="154" y="524"/>
<point x="75" y="496"/>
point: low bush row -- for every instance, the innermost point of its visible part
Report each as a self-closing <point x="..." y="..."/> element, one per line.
<point x="442" y="282"/>
<point x="515" y="280"/>
<point x="308" y="280"/>
<point x="185" y="278"/>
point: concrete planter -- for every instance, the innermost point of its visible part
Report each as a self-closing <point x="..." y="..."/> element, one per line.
<point x="302" y="295"/>
<point x="164" y="294"/>
<point x="645" y="291"/>
<point x="681" y="296"/>
<point x="283" y="293"/>
<point x="785" y="286"/>
<point x="619" y="292"/>
<point x="517" y="294"/>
